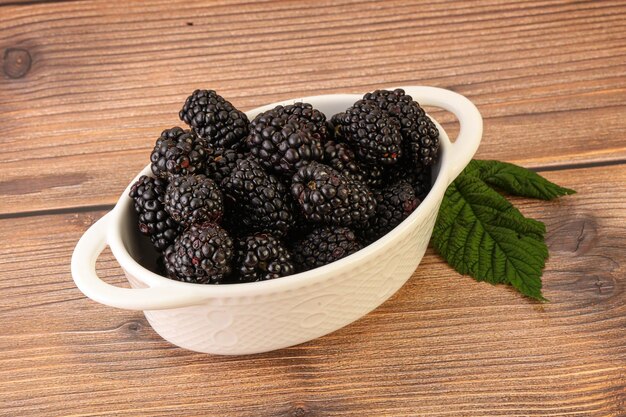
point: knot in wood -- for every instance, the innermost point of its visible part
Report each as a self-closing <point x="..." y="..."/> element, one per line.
<point x="17" y="62"/>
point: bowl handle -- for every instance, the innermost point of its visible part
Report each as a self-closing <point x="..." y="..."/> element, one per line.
<point x="87" y="250"/>
<point x="470" y="120"/>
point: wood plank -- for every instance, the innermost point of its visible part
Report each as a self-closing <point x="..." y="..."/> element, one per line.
<point x="443" y="345"/>
<point x="5" y="3"/>
<point x="88" y="86"/>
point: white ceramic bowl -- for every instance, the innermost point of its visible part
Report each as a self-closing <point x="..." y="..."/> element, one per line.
<point x="262" y="316"/>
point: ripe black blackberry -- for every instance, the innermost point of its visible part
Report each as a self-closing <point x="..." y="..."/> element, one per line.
<point x="221" y="164"/>
<point x="314" y="120"/>
<point x="304" y="113"/>
<point x="326" y="196"/>
<point x="261" y="257"/>
<point x="415" y="173"/>
<point x="179" y="152"/>
<point x="215" y="119"/>
<point x="375" y="136"/>
<point x="340" y="157"/>
<point x="194" y="199"/>
<point x="260" y="198"/>
<point x="284" y="139"/>
<point x="394" y="203"/>
<point x="323" y="246"/>
<point x="421" y="137"/>
<point x="202" y="254"/>
<point x="148" y="195"/>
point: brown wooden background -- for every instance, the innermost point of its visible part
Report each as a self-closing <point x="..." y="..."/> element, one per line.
<point x="87" y="86"/>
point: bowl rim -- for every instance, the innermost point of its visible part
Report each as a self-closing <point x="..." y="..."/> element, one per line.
<point x="303" y="279"/>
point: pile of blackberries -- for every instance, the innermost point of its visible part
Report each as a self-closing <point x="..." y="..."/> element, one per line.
<point x="233" y="200"/>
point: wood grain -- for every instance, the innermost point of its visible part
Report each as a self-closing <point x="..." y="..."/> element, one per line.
<point x="5" y="3"/>
<point x="98" y="81"/>
<point x="443" y="345"/>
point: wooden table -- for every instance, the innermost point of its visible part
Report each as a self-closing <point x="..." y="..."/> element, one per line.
<point x="85" y="89"/>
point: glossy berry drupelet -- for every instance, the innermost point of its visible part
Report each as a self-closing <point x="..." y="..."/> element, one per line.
<point x="262" y="257"/>
<point x="374" y="135"/>
<point x="283" y="141"/>
<point x="420" y="135"/>
<point x="326" y="196"/>
<point x="202" y="254"/>
<point x="179" y="152"/>
<point x="394" y="203"/>
<point x="194" y="199"/>
<point x="323" y="246"/>
<point x="260" y="200"/>
<point x="215" y="119"/>
<point x="148" y="196"/>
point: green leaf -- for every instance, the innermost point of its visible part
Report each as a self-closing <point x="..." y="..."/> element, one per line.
<point x="515" y="180"/>
<point x="480" y="233"/>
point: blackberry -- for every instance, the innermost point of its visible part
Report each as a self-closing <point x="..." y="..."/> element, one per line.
<point x="194" y="199"/>
<point x="326" y="196"/>
<point x="415" y="173"/>
<point x="261" y="257"/>
<point x="178" y="152"/>
<point x="375" y="135"/>
<point x="148" y="195"/>
<point x="420" y="135"/>
<point x="221" y="164"/>
<point x="215" y="119"/>
<point x="202" y="254"/>
<point x="323" y="246"/>
<point x="284" y="141"/>
<point x="394" y="203"/>
<point x="309" y="118"/>
<point x="314" y="120"/>
<point x="260" y="199"/>
<point x="340" y="157"/>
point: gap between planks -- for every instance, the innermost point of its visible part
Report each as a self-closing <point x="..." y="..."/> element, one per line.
<point x="107" y="207"/>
